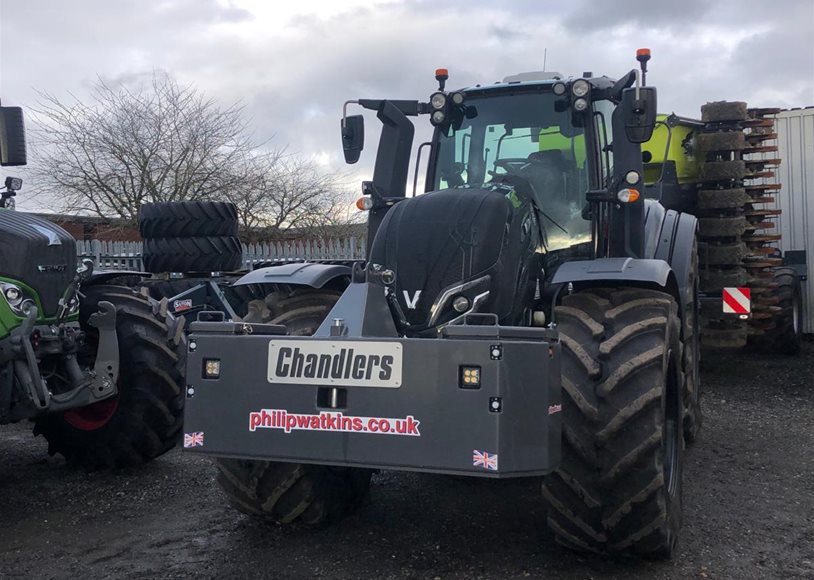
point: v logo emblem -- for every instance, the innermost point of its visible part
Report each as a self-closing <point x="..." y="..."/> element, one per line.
<point x="411" y="302"/>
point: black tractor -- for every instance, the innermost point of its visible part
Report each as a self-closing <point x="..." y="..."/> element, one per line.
<point x="533" y="313"/>
<point x="94" y="362"/>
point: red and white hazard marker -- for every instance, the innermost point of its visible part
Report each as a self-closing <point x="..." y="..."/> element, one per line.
<point x="737" y="300"/>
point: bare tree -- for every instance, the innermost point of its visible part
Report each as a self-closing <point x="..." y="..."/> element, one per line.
<point x="165" y="142"/>
<point x="290" y="193"/>
<point x="160" y="142"/>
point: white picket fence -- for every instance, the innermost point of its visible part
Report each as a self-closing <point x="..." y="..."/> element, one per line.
<point x="127" y="255"/>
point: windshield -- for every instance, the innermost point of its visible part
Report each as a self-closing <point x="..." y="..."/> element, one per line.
<point x="522" y="134"/>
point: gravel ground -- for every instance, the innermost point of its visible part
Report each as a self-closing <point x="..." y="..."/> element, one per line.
<point x="748" y="509"/>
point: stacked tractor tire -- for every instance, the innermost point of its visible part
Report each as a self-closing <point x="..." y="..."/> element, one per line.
<point x="736" y="227"/>
<point x="190" y="236"/>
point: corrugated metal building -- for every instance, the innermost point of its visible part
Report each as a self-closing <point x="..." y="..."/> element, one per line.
<point x="795" y="129"/>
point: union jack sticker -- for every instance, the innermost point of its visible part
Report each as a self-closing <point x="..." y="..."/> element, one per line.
<point x="194" y="439"/>
<point x="485" y="460"/>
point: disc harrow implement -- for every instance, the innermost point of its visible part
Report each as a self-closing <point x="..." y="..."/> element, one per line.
<point x="738" y="178"/>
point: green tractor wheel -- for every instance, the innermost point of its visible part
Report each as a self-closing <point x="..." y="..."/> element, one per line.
<point x="143" y="420"/>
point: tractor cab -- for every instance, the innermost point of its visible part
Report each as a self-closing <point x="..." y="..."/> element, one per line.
<point x="521" y="176"/>
<point x="524" y="131"/>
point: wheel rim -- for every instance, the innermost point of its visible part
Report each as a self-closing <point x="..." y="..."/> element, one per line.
<point x="93" y="416"/>
<point x="795" y="314"/>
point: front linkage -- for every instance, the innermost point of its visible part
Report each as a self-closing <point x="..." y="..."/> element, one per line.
<point x="24" y="391"/>
<point x="101" y="380"/>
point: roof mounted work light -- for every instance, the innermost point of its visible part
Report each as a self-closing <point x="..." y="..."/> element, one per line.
<point x="438" y="118"/>
<point x="580" y="88"/>
<point x="438" y="100"/>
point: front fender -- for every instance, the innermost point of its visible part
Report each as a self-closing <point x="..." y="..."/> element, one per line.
<point x="104" y="276"/>
<point x="300" y="274"/>
<point x="614" y="269"/>
<point x="630" y="271"/>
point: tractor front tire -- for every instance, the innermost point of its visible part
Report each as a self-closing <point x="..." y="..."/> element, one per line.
<point x="618" y="488"/>
<point x="290" y="492"/>
<point x="143" y="420"/>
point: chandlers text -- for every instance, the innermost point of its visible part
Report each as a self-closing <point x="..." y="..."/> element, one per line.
<point x="345" y="364"/>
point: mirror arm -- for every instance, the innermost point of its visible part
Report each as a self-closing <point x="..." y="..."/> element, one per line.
<point x="622" y="84"/>
<point x="345" y="112"/>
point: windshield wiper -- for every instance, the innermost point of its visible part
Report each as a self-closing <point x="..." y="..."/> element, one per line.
<point x="512" y="180"/>
<point x="553" y="221"/>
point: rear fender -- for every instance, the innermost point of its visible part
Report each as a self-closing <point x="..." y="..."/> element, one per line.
<point x="675" y="244"/>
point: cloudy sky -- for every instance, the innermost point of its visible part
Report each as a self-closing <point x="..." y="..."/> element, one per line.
<point x="294" y="63"/>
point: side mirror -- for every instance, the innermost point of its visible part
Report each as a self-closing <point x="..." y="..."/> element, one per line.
<point x="639" y="115"/>
<point x="353" y="137"/>
<point x="12" y="136"/>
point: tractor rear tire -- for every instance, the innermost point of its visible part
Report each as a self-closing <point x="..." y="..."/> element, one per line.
<point x="143" y="420"/>
<point x="290" y="492"/>
<point x="186" y="219"/>
<point x="618" y="488"/>
<point x="691" y="355"/>
<point x="786" y="336"/>
<point x="199" y="254"/>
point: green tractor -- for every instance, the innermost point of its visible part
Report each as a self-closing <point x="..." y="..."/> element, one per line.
<point x="93" y="362"/>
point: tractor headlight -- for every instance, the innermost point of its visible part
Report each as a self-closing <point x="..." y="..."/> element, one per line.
<point x="580" y="105"/>
<point x="558" y="89"/>
<point x="460" y="304"/>
<point x="16" y="298"/>
<point x="457" y="98"/>
<point x="14" y="183"/>
<point x="580" y="88"/>
<point x="437" y="117"/>
<point x="438" y="101"/>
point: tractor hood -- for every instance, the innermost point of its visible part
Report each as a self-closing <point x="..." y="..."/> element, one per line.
<point x="37" y="253"/>
<point x="472" y="242"/>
